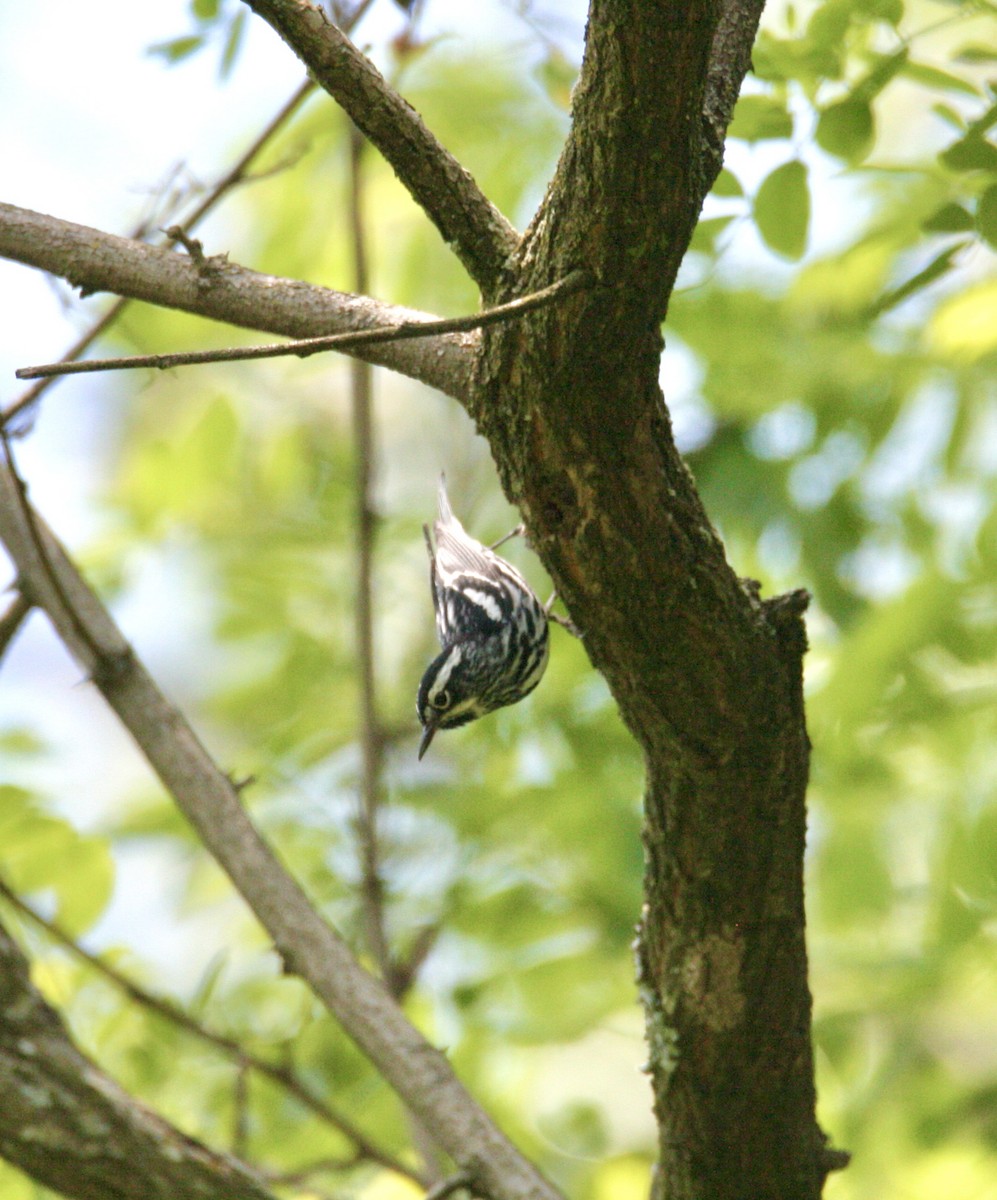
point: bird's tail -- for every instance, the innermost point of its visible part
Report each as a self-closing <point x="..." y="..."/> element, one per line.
<point x="446" y="512"/>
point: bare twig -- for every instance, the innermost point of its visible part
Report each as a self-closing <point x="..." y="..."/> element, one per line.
<point x="12" y="620"/>
<point x="169" y="1011"/>
<point x="240" y="1123"/>
<point x="467" y="220"/>
<point x="446" y="1187"/>
<point x="303" y="347"/>
<point x="240" y="168"/>
<point x="303" y="1175"/>
<point x="364" y="449"/>
<point x="308" y="945"/>
<point x="406" y="969"/>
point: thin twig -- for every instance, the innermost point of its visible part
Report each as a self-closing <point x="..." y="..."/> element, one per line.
<point x="232" y="294"/>
<point x="303" y="347"/>
<point x="13" y="619"/>
<point x="365" y="451"/>
<point x="240" y="1123"/>
<point x="446" y="1187"/>
<point x="238" y="172"/>
<point x="372" y="889"/>
<point x="217" y="193"/>
<point x="177" y="1016"/>
<point x="302" y="1175"/>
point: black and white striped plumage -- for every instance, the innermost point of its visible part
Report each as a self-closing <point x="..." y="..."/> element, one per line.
<point x="492" y="628"/>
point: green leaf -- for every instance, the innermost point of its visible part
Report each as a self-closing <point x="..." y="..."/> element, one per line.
<point x="950" y="218"/>
<point x="950" y="115"/>
<point x="932" y="77"/>
<point x="24" y="741"/>
<point x="704" y="237"/>
<point x="883" y="10"/>
<point x="727" y="184"/>
<point x="976" y="54"/>
<point x="205" y="10"/>
<point x="986" y="215"/>
<point x="934" y="270"/>
<point x="971" y="153"/>
<point x="42" y="853"/>
<point x="577" y="1129"/>
<point x="557" y="74"/>
<point x="852" y="871"/>
<point x="86" y="891"/>
<point x="810" y="59"/>
<point x="887" y="67"/>
<point x="830" y="22"/>
<point x="782" y="210"/>
<point x="760" y="118"/>
<point x="847" y="129"/>
<point x="233" y="43"/>
<point x="177" y="49"/>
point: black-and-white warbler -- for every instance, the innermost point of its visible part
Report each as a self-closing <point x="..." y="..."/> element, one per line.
<point x="493" y="630"/>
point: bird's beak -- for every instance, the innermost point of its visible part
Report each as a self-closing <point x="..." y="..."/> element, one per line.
<point x="427" y="737"/>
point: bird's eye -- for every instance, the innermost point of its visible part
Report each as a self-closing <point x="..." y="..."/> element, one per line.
<point x="441" y="700"/>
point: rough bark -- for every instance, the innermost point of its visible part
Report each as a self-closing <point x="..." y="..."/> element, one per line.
<point x="73" y="1129"/>
<point x="706" y="675"/>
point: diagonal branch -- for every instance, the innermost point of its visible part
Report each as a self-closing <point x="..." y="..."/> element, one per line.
<point x="72" y="1128"/>
<point x="480" y="236"/>
<point x="12" y="619"/>
<point x="308" y="945"/>
<point x="169" y="1011"/>
<point x="215" y="288"/>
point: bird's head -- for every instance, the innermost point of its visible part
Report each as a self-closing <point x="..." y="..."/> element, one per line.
<point x="452" y="692"/>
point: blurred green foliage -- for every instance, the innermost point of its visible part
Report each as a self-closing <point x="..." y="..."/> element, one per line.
<point x="840" y="415"/>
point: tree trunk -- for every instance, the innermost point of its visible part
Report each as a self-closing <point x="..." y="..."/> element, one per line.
<point x="707" y="676"/>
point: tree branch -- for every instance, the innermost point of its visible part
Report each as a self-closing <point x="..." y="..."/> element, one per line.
<point x="467" y="220"/>
<point x="12" y="619"/>
<point x="169" y="1011"/>
<point x="97" y="261"/>
<point x="302" y="348"/>
<point x="71" y="1127"/>
<point x="308" y="946"/>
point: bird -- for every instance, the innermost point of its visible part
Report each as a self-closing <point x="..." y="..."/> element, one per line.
<point x="493" y="629"/>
